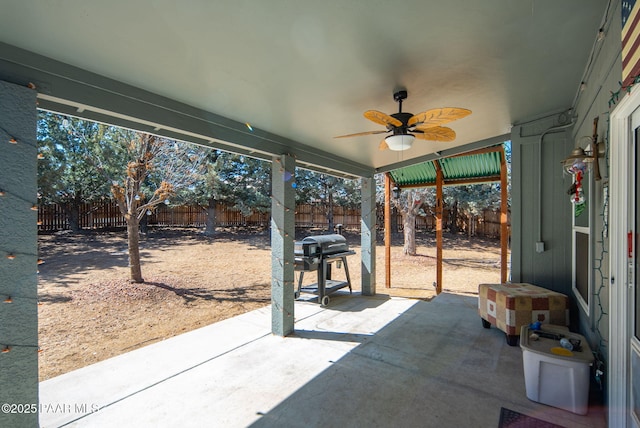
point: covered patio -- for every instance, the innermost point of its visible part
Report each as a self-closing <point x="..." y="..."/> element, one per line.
<point x="364" y="361"/>
<point x="278" y="81"/>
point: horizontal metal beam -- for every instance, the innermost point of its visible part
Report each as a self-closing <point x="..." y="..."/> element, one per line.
<point x="478" y="180"/>
<point x="70" y="90"/>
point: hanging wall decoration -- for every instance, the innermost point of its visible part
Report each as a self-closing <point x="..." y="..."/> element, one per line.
<point x="630" y="51"/>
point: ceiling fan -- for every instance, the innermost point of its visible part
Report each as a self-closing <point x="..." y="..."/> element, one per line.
<point x="405" y="127"/>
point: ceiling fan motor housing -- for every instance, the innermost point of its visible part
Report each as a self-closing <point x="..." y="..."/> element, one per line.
<point x="404" y="118"/>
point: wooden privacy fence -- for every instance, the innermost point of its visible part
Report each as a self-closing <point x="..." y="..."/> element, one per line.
<point x="486" y="224"/>
<point x="315" y="216"/>
<point x="105" y="215"/>
<point x="98" y="215"/>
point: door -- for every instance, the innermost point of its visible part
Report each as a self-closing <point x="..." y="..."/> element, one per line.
<point x="634" y="278"/>
<point x="623" y="377"/>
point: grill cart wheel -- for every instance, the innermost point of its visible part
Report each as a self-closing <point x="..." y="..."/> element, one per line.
<point x="325" y="301"/>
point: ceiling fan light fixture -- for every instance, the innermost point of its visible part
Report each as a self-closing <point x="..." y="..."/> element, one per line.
<point x="400" y="142"/>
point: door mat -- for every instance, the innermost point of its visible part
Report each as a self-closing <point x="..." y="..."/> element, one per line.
<point x="513" y="419"/>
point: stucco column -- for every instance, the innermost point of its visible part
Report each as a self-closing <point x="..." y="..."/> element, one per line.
<point x="368" y="236"/>
<point x="282" y="237"/>
<point x="18" y="253"/>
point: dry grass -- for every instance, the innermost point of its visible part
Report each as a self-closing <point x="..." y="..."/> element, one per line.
<point x="91" y="312"/>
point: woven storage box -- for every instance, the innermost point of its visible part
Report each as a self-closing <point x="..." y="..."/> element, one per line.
<point x="510" y="306"/>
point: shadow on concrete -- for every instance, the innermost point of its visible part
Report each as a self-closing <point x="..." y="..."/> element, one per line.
<point x="342" y="301"/>
<point x="329" y="335"/>
<point x="432" y="366"/>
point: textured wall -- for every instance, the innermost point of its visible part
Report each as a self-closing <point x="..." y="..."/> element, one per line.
<point x="18" y="253"/>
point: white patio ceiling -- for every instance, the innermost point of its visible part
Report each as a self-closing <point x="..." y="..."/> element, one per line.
<point x="301" y="72"/>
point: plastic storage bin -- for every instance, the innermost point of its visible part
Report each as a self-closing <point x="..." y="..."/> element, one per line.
<point x="554" y="375"/>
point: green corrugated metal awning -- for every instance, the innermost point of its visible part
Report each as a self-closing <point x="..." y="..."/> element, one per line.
<point x="461" y="169"/>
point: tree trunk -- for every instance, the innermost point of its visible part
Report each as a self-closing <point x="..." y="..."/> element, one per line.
<point x="394" y="220"/>
<point x="330" y="213"/>
<point x="210" y="228"/>
<point x="409" y="224"/>
<point x="453" y="220"/>
<point x="72" y="211"/>
<point x="134" y="249"/>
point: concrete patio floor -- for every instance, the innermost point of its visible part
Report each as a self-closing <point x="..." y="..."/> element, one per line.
<point x="363" y="361"/>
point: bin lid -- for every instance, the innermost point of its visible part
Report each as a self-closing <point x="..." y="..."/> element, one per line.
<point x="547" y="346"/>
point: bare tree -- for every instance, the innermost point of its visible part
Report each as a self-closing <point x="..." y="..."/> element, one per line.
<point x="157" y="167"/>
<point x="130" y="197"/>
<point x="410" y="204"/>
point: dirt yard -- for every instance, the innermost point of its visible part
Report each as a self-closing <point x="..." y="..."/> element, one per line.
<point x="89" y="311"/>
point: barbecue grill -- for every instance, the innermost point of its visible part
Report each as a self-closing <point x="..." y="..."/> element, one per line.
<point x="318" y="253"/>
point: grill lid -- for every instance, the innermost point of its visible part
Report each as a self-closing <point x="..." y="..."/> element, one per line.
<point x="325" y="240"/>
<point x="322" y="244"/>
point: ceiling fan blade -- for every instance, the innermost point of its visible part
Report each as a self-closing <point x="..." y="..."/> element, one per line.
<point x="383" y="145"/>
<point x="358" y="134"/>
<point x="381" y="118"/>
<point x="435" y="133"/>
<point x="438" y="116"/>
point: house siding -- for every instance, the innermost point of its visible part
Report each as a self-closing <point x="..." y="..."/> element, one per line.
<point x="553" y="268"/>
<point x="597" y="101"/>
